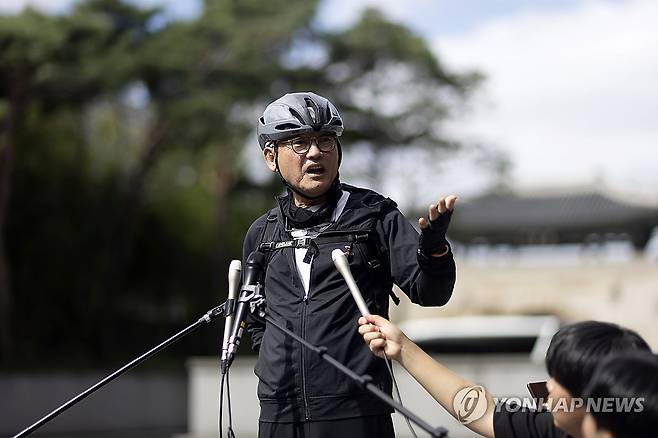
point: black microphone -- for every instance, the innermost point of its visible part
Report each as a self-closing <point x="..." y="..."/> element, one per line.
<point x="253" y="271"/>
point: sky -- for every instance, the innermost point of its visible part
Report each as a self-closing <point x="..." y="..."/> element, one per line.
<point x="570" y="93"/>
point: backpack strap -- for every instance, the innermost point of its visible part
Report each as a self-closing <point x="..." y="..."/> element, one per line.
<point x="267" y="244"/>
<point x="267" y="235"/>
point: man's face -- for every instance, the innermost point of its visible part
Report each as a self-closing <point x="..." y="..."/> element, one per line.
<point x="560" y="402"/>
<point x="310" y="172"/>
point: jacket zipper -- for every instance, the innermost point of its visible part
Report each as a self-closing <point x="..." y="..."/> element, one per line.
<point x="306" y="292"/>
<point x="302" y="355"/>
<point x="292" y="261"/>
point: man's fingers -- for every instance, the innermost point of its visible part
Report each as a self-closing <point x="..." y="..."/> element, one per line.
<point x="442" y="205"/>
<point x="433" y="212"/>
<point x="450" y="202"/>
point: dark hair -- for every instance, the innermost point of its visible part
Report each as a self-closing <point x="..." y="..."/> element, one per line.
<point x="633" y="375"/>
<point x="577" y="349"/>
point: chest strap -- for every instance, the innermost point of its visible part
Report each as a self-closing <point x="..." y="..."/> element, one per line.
<point x="312" y="243"/>
<point x="305" y="242"/>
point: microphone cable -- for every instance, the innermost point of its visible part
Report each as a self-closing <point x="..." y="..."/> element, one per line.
<point x="397" y="392"/>
<point x="221" y="405"/>
<point x="230" y="433"/>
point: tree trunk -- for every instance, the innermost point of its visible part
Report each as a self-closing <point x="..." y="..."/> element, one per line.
<point x="219" y="280"/>
<point x="123" y="241"/>
<point x="7" y="147"/>
<point x="6" y="153"/>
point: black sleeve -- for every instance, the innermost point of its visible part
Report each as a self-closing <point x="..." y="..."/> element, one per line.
<point x="427" y="281"/>
<point x="511" y="421"/>
<point x="256" y="329"/>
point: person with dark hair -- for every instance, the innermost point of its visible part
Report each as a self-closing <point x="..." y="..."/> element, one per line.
<point x="629" y="381"/>
<point x="572" y="356"/>
<point x="300" y="394"/>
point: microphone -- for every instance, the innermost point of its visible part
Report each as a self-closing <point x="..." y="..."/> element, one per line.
<point x="253" y="272"/>
<point x="234" y="270"/>
<point x="343" y="267"/>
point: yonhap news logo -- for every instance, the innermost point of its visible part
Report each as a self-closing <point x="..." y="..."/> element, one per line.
<point x="571" y="404"/>
<point x="470" y="404"/>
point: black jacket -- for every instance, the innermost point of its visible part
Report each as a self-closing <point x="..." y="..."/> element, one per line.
<point x="296" y="384"/>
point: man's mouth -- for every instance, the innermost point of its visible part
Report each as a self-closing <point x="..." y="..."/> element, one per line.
<point x="315" y="169"/>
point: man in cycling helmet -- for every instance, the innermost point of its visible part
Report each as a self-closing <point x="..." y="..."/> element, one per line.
<point x="300" y="394"/>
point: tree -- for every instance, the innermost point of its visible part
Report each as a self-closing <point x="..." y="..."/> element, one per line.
<point x="27" y="43"/>
<point x="196" y="74"/>
<point x="392" y="90"/>
<point x="122" y="143"/>
<point x="51" y="66"/>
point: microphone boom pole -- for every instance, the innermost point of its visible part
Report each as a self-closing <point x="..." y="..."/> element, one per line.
<point x="365" y="381"/>
<point x="211" y="315"/>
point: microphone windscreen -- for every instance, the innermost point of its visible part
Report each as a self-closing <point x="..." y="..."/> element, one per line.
<point x="343" y="266"/>
<point x="233" y="286"/>
<point x="234" y="278"/>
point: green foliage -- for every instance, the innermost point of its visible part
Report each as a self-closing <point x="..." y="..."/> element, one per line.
<point x="391" y="87"/>
<point x="127" y="196"/>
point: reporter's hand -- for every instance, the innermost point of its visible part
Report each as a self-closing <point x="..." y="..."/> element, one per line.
<point x="382" y="336"/>
<point x="433" y="231"/>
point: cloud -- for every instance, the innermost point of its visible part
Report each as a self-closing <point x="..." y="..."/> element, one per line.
<point x="570" y="91"/>
<point x="340" y="14"/>
<point x="47" y="6"/>
<point x="176" y="9"/>
<point x="570" y="94"/>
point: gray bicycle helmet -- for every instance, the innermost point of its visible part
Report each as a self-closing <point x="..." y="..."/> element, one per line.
<point x="298" y="113"/>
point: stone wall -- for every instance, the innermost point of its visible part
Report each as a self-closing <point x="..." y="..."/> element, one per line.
<point x="573" y="288"/>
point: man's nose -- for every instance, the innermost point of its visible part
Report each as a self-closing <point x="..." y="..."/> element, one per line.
<point x="314" y="150"/>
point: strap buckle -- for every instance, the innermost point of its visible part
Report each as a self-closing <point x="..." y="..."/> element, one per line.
<point x="266" y="246"/>
<point x="302" y="242"/>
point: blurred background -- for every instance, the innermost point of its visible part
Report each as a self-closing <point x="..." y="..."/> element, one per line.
<point x="130" y="172"/>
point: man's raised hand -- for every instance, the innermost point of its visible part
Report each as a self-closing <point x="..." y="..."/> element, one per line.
<point x="434" y="227"/>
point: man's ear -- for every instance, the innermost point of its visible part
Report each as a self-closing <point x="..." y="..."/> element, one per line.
<point x="270" y="158"/>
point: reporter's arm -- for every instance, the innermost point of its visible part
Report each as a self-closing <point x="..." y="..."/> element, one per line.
<point x="439" y="381"/>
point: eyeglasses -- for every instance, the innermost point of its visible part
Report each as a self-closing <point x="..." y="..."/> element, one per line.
<point x="301" y="145"/>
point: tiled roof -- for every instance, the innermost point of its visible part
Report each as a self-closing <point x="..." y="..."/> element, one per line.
<point x="569" y="217"/>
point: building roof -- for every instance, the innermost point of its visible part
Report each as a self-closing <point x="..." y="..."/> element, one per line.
<point x="558" y="218"/>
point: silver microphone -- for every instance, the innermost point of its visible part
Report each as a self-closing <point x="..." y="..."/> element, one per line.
<point x="254" y="269"/>
<point x="233" y="285"/>
<point x="343" y="267"/>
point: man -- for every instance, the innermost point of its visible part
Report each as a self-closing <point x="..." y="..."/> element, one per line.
<point x="628" y="380"/>
<point x="571" y="359"/>
<point x="300" y="394"/>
